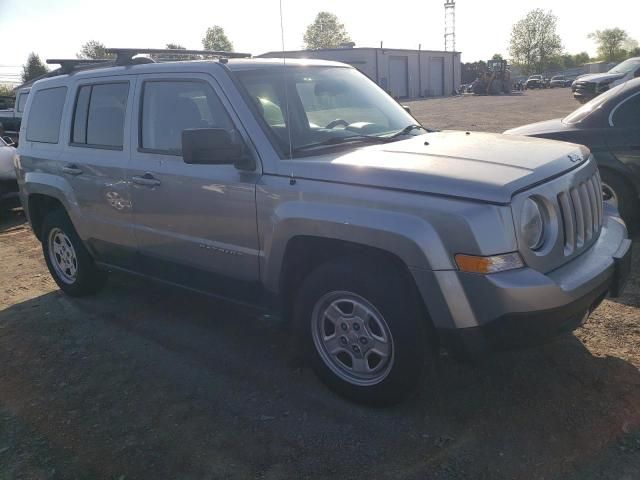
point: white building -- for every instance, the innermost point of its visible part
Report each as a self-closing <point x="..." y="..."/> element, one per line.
<point x="403" y="73"/>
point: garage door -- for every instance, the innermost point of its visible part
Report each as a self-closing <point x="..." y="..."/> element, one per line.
<point x="436" y="76"/>
<point x="398" y="76"/>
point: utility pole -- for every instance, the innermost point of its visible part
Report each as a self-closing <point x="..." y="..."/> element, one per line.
<point x="450" y="26"/>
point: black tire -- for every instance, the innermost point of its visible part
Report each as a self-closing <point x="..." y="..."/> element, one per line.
<point x="381" y="284"/>
<point x="88" y="278"/>
<point x="627" y="197"/>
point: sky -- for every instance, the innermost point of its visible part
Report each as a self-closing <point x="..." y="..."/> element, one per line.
<point x="57" y="28"/>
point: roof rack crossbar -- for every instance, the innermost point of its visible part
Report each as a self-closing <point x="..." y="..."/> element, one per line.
<point x="67" y="65"/>
<point x="124" y="56"/>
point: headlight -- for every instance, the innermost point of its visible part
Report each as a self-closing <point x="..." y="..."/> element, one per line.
<point x="532" y="224"/>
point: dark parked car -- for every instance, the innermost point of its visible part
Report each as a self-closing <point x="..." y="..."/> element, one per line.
<point x="610" y="126"/>
<point x="560" y="81"/>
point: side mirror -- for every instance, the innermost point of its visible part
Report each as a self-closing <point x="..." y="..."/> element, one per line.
<point x="213" y="146"/>
<point x="407" y="109"/>
<point x="9" y="141"/>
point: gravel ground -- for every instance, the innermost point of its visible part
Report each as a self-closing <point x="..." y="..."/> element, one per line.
<point x="144" y="381"/>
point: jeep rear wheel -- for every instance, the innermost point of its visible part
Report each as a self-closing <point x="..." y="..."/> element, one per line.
<point x="69" y="262"/>
<point x="364" y="330"/>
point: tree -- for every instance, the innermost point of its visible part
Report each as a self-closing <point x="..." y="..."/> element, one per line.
<point x="610" y="43"/>
<point x="325" y="32"/>
<point x="94" y="50"/>
<point x="472" y="70"/>
<point x="497" y="56"/>
<point x="216" y="39"/>
<point x="168" y="57"/>
<point x="581" y="58"/>
<point x="534" y="41"/>
<point x="6" y="91"/>
<point x="33" y="68"/>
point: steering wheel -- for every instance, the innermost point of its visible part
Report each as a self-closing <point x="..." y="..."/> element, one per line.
<point x="336" y="122"/>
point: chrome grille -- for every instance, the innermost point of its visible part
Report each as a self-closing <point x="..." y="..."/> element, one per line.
<point x="581" y="213"/>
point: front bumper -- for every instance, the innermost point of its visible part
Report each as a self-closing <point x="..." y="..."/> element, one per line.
<point x="475" y="313"/>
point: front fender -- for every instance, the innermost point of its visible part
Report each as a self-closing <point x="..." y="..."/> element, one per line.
<point x="406" y="236"/>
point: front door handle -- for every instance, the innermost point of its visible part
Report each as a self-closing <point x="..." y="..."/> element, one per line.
<point x="147" y="180"/>
<point x="72" y="169"/>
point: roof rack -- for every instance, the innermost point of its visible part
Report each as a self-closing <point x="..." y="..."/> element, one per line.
<point x="124" y="56"/>
<point x="67" y="65"/>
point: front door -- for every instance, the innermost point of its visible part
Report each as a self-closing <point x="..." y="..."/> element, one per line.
<point x="194" y="224"/>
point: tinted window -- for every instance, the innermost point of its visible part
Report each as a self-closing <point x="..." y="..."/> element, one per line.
<point x="99" y="115"/>
<point x="628" y="114"/>
<point x="45" y="115"/>
<point x="169" y="107"/>
<point x="22" y="101"/>
<point x="80" y="115"/>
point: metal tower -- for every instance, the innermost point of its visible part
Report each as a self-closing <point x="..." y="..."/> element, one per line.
<point x="450" y="25"/>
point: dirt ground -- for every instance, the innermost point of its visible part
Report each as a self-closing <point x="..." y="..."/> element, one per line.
<point x="145" y="381"/>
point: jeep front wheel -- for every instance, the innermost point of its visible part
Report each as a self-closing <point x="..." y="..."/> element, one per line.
<point x="364" y="328"/>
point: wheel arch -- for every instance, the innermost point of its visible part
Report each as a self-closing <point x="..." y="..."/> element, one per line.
<point x="297" y="263"/>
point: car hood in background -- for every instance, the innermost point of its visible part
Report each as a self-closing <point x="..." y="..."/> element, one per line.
<point x="599" y="77"/>
<point x="547" y="126"/>
<point x="478" y="166"/>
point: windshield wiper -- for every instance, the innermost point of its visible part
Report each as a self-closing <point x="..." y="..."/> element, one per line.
<point x="406" y="130"/>
<point x="340" y="140"/>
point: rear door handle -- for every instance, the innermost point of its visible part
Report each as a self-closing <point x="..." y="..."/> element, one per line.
<point x="147" y="180"/>
<point x="72" y="169"/>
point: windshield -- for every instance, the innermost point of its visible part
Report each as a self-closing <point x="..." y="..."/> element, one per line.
<point x="328" y="106"/>
<point x="626" y="66"/>
<point x="587" y="109"/>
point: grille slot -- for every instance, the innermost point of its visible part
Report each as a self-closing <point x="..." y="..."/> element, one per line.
<point x="581" y="213"/>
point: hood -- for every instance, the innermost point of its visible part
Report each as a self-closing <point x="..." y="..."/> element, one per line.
<point x="478" y="166"/>
<point x="600" y="77"/>
<point x="547" y="126"/>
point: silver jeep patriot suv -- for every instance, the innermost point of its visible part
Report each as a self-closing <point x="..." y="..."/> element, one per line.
<point x="301" y="186"/>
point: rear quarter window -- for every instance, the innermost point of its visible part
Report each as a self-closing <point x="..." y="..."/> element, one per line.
<point x="45" y="115"/>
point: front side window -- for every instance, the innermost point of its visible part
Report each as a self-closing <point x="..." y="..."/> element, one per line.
<point x="321" y="107"/>
<point x="45" y="115"/>
<point x="99" y="114"/>
<point x="628" y="113"/>
<point x="169" y="107"/>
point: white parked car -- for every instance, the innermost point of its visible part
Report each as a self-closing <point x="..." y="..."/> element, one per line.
<point x="8" y="182"/>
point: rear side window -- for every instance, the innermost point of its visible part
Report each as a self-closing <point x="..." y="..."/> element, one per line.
<point x="169" y="107"/>
<point x="628" y="114"/>
<point x="98" y="119"/>
<point x="45" y="115"/>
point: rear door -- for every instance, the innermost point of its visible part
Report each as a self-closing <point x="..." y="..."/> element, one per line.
<point x="194" y="224"/>
<point x="94" y="162"/>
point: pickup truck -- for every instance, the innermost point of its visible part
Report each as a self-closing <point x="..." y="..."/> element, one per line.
<point x="11" y="118"/>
